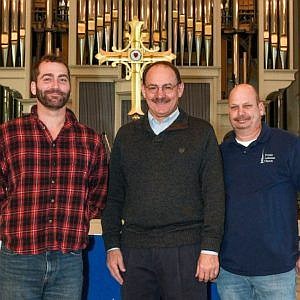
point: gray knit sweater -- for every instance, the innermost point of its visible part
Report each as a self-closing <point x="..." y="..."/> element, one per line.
<point x="167" y="188"/>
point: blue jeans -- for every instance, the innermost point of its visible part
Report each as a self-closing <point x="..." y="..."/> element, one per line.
<point x="47" y="276"/>
<point x="271" y="287"/>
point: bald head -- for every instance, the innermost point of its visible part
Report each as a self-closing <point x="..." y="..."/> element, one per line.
<point x="245" y="111"/>
<point x="244" y="89"/>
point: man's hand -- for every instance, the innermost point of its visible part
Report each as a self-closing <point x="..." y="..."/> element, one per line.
<point x="207" y="267"/>
<point x="298" y="266"/>
<point x="115" y="264"/>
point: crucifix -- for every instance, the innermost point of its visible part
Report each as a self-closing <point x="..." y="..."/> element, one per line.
<point x="135" y="56"/>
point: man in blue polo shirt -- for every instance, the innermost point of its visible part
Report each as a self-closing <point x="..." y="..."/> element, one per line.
<point x="262" y="177"/>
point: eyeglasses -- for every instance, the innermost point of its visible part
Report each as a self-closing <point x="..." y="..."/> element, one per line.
<point x="166" y="88"/>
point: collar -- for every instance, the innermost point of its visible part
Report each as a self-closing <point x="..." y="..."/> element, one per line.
<point x="180" y="123"/>
<point x="263" y="136"/>
<point x="157" y="126"/>
<point x="70" y="116"/>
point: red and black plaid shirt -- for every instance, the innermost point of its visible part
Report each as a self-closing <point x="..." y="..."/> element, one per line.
<point x="50" y="189"/>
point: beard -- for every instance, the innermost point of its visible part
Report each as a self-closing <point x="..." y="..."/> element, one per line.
<point x="53" y="102"/>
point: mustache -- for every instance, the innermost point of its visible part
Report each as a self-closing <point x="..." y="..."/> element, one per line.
<point x="160" y="100"/>
<point x="54" y="91"/>
<point x="242" y="118"/>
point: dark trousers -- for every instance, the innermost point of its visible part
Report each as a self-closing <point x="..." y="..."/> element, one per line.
<point x="162" y="273"/>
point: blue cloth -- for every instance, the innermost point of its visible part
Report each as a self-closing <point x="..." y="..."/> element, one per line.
<point x="261" y="183"/>
<point x="159" y="127"/>
<point x="48" y="276"/>
<point x="98" y="283"/>
<point x="271" y="287"/>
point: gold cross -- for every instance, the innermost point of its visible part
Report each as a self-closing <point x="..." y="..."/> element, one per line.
<point x="135" y="56"/>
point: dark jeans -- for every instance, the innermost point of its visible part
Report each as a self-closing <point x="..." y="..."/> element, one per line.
<point x="162" y="273"/>
<point x="48" y="276"/>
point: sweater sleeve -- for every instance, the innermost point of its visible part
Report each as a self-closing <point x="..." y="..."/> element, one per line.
<point x="212" y="183"/>
<point x="112" y="214"/>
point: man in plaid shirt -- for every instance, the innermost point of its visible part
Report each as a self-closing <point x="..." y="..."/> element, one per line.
<point x="53" y="175"/>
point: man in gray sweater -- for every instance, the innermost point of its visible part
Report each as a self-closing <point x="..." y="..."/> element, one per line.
<point x="163" y="222"/>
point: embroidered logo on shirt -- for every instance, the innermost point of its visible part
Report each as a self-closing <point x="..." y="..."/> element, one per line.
<point x="181" y="150"/>
<point x="267" y="157"/>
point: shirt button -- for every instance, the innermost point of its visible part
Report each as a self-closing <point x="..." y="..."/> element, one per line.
<point x="53" y="145"/>
<point x="54" y="164"/>
<point x="52" y="181"/>
<point x="52" y="200"/>
<point x="50" y="221"/>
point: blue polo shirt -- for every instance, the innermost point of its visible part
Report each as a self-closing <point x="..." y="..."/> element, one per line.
<point x="261" y="182"/>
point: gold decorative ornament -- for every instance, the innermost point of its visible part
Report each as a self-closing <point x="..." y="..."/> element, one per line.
<point x="135" y="56"/>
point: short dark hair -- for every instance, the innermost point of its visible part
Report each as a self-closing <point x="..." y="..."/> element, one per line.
<point x="162" y="63"/>
<point x="47" y="58"/>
